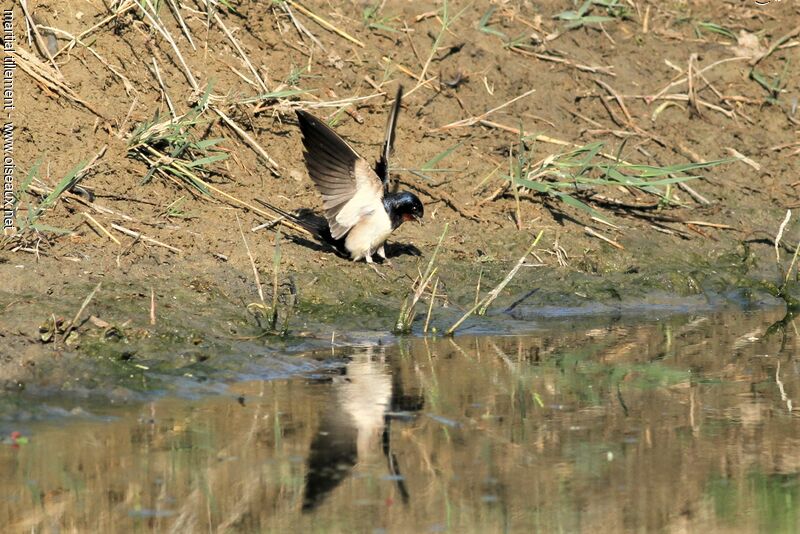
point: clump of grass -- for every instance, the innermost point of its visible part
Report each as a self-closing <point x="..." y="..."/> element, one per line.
<point x="337" y="117"/>
<point x="581" y="17"/>
<point x="485" y="26"/>
<point x="782" y="289"/>
<point x="774" y="85"/>
<point x="408" y="309"/>
<point x="481" y="306"/>
<point x="373" y="20"/>
<point x="267" y="316"/>
<point x="293" y="78"/>
<point x="713" y="28"/>
<point x="227" y="4"/>
<point x="574" y="177"/>
<point x="34" y="211"/>
<point x="175" y="210"/>
<point x="172" y="149"/>
<point x="523" y="42"/>
<point x="29" y="226"/>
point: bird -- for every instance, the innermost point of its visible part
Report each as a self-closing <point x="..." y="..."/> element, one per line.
<point x="359" y="203"/>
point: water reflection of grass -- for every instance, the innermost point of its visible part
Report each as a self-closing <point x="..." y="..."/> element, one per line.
<point x="772" y="498"/>
<point x="776" y="501"/>
<point x="588" y="373"/>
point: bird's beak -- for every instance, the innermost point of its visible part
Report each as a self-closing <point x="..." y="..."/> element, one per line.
<point x="418" y="218"/>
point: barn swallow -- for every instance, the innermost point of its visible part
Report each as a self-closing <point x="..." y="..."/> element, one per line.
<point x="358" y="203"/>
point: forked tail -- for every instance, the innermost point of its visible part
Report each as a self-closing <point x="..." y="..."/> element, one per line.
<point x="310" y="224"/>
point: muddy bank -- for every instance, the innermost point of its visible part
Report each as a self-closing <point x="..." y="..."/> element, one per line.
<point x="190" y="332"/>
<point x="656" y="183"/>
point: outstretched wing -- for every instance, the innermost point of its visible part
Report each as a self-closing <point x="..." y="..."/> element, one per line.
<point x="350" y="189"/>
<point x="382" y="166"/>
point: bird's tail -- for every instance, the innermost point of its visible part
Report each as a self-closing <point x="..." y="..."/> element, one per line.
<point x="311" y="225"/>
<point x="282" y="213"/>
<point x="302" y="224"/>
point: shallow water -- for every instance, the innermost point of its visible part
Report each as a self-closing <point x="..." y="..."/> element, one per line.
<point x="676" y="424"/>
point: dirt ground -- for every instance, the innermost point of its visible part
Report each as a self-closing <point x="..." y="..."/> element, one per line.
<point x="497" y="67"/>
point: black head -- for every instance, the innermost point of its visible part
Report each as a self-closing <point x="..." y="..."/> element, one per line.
<point x="403" y="207"/>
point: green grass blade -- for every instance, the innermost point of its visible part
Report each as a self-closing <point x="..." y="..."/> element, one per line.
<point x="539" y="187"/>
<point x="716" y="28"/>
<point x="65" y="183"/>
<point x="483" y="24"/>
<point x="595" y="19"/>
<point x="31" y="175"/>
<point x="575" y="203"/>
<point x="429" y="166"/>
<point x="650" y="171"/>
<point x="47" y="228"/>
<point x="208" y="143"/>
<point x="584" y="8"/>
<point x="567" y="15"/>
<point x="206" y="161"/>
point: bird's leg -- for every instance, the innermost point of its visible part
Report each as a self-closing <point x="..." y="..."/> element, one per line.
<point x="368" y="259"/>
<point x="382" y="254"/>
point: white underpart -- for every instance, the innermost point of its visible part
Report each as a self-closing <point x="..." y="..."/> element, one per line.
<point x="369" y="233"/>
<point x="366" y="397"/>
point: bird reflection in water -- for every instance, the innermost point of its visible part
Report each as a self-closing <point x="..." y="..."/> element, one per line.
<point x="369" y="394"/>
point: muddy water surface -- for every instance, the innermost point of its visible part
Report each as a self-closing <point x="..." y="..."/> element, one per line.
<point x="673" y="424"/>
